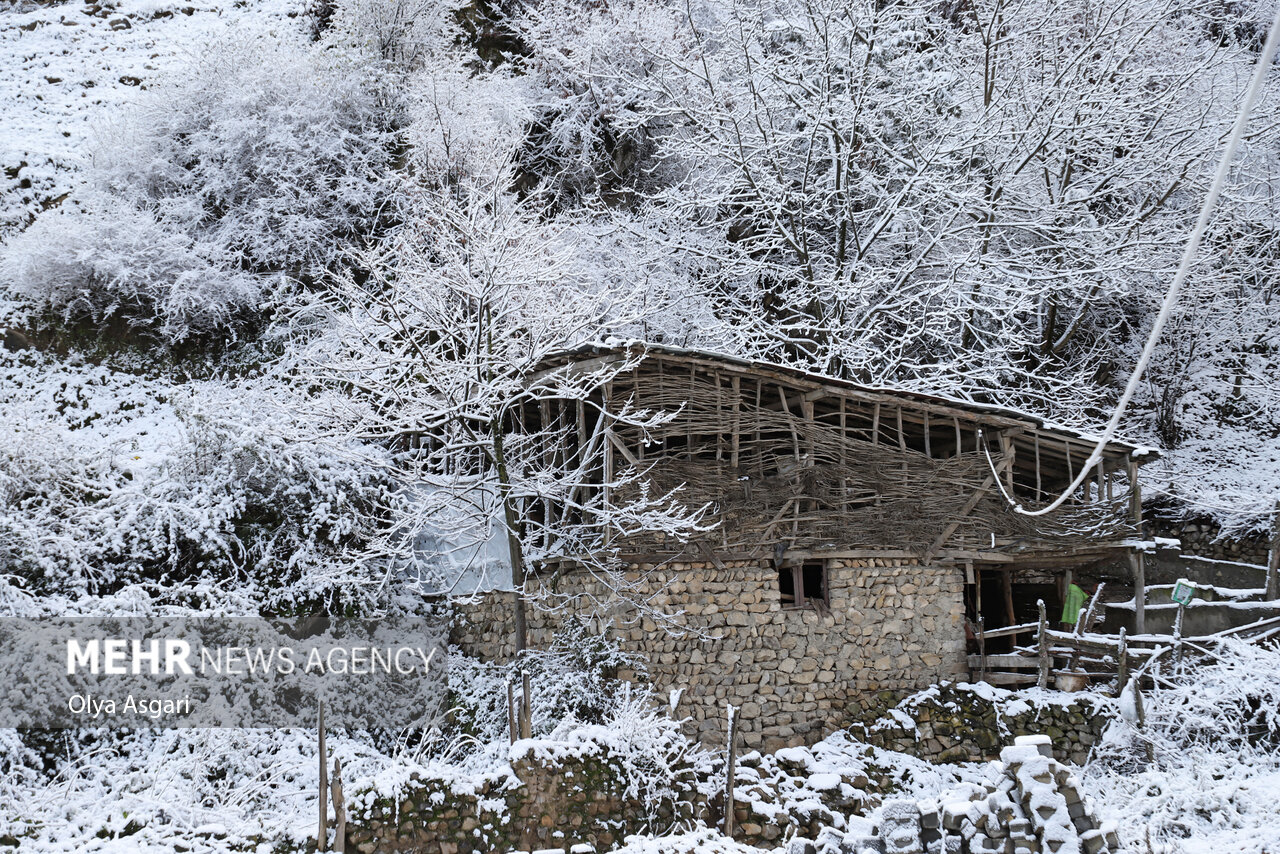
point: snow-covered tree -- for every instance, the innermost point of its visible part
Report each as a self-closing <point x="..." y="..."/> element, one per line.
<point x="437" y="346"/>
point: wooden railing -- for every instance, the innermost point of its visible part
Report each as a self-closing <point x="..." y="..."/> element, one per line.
<point x="1096" y="656"/>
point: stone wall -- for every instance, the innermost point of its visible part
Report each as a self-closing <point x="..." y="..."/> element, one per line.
<point x="1202" y="537"/>
<point x="973" y="723"/>
<point x="793" y="672"/>
<point x="555" y="796"/>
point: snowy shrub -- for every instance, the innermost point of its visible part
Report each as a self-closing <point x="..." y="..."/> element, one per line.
<point x="279" y="152"/>
<point x="116" y="260"/>
<point x="1206" y="761"/>
<point x="108" y="480"/>
<point x="403" y="33"/>
<point x="262" y="158"/>
<point x="573" y="681"/>
<point x="596" y="123"/>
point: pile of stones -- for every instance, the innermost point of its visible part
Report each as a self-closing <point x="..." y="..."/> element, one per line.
<point x="1030" y="805"/>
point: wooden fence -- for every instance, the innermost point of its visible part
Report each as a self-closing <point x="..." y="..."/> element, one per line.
<point x="1098" y="658"/>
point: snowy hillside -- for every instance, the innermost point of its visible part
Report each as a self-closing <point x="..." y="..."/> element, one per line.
<point x="275" y="274"/>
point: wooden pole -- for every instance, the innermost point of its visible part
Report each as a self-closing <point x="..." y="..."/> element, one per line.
<point x="322" y="834"/>
<point x="1039" y="481"/>
<point x="735" y="447"/>
<point x="1042" y="680"/>
<point x="526" y="707"/>
<point x="1007" y="583"/>
<point x="730" y="771"/>
<point x="1122" y="665"/>
<point x="1178" y="633"/>
<point x="513" y="727"/>
<point x="339" y="810"/>
<point x="982" y="649"/>
<point x="1136" y="558"/>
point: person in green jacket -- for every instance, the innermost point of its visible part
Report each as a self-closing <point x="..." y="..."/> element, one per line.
<point x="1074" y="604"/>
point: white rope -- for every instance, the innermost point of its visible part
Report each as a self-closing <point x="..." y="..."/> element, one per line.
<point x="1184" y="268"/>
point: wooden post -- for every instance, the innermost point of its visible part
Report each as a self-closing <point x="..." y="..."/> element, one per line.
<point x="902" y="445"/>
<point x="730" y="771"/>
<point x="526" y="707"/>
<point x="513" y="727"/>
<point x="339" y="810"/>
<point x="844" y="463"/>
<point x="1007" y="449"/>
<point x="1007" y="584"/>
<point x="1039" y="486"/>
<point x="1137" y="560"/>
<point x="1122" y="665"/>
<point x="1177" y="633"/>
<point x="735" y="446"/>
<point x="1273" y="558"/>
<point x="1090" y="614"/>
<point x="1084" y="625"/>
<point x="1067" y="577"/>
<point x="928" y="445"/>
<point x="322" y="834"/>
<point x="1042" y="680"/>
<point x="982" y="649"/>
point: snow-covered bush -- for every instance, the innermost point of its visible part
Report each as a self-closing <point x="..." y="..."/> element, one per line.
<point x="263" y="158"/>
<point x="108" y="479"/>
<point x="573" y="681"/>
<point x="594" y="127"/>
<point x="113" y="259"/>
<point x="402" y="33"/>
<point x="1206" y="761"/>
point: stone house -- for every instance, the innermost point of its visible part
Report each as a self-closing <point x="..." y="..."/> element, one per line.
<point x="857" y="529"/>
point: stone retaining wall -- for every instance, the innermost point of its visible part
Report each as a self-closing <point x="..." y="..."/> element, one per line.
<point x="1202" y="537"/>
<point x="967" y="723"/>
<point x="793" y="673"/>
<point x="550" y="800"/>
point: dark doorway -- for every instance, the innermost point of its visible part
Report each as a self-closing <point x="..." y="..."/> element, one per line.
<point x="1002" y="600"/>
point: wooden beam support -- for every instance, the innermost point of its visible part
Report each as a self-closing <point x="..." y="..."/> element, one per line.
<point x="1137" y="560"/>
<point x="735" y="446"/>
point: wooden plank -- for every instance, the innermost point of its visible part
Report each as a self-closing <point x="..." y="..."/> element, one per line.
<point x="1006" y="660"/>
<point x="1008" y="631"/>
<point x="1010" y="679"/>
